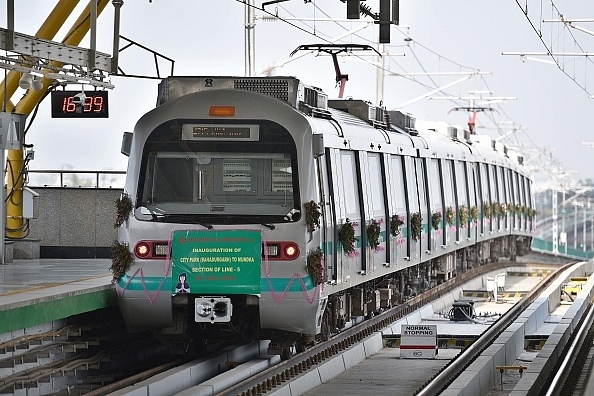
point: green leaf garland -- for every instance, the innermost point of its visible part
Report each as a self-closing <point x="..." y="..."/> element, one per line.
<point x="416" y="223"/>
<point x="123" y="209"/>
<point x="395" y="223"/>
<point x="121" y="259"/>
<point x="346" y="235"/>
<point x="436" y="220"/>
<point x="315" y="267"/>
<point x="373" y="233"/>
<point x="312" y="215"/>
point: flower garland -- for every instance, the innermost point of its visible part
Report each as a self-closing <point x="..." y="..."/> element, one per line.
<point x="436" y="220"/>
<point x="312" y="215"/>
<point x="346" y="236"/>
<point x="450" y="216"/>
<point x="474" y="213"/>
<point x="373" y="233"/>
<point x="314" y="266"/>
<point x="416" y="223"/>
<point x="463" y="213"/>
<point x="497" y="209"/>
<point x="123" y="209"/>
<point x="121" y="258"/>
<point x="487" y="209"/>
<point x="395" y="223"/>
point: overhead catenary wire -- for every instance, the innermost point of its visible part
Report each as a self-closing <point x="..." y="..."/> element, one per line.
<point x="428" y="82"/>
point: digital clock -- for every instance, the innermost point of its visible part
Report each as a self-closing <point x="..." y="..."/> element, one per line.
<point x="72" y="104"/>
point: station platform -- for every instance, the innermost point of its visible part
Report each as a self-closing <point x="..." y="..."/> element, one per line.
<point x="38" y="291"/>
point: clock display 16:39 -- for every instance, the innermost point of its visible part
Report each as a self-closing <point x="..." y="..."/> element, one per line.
<point x="66" y="104"/>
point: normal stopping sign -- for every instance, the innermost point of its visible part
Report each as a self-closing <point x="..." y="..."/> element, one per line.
<point x="418" y="341"/>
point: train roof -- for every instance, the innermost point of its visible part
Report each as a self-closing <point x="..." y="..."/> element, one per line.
<point x="348" y="112"/>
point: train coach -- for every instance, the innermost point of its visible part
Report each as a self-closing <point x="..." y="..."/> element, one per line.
<point x="257" y="208"/>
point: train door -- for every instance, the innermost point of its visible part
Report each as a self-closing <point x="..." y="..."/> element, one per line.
<point x="498" y="208"/>
<point x="345" y="183"/>
<point x="501" y="197"/>
<point x="436" y="211"/>
<point x="505" y="194"/>
<point x="472" y="203"/>
<point x="449" y="203"/>
<point x="481" y="203"/>
<point x="372" y="179"/>
<point x="486" y="199"/>
<point x="463" y="209"/>
<point x="423" y="207"/>
<point x="415" y="220"/>
<point x="516" y="197"/>
<point x="526" y="205"/>
<point x="398" y="212"/>
<point x="328" y="231"/>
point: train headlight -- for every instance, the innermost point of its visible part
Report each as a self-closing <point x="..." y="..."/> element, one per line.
<point x="151" y="250"/>
<point x="291" y="251"/>
<point x="142" y="250"/>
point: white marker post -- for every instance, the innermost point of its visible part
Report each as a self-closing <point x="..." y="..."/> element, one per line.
<point x="418" y="341"/>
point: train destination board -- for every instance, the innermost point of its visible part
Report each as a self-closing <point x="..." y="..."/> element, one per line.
<point x="220" y="132"/>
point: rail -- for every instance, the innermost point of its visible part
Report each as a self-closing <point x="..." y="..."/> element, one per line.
<point x="441" y="380"/>
<point x="560" y="380"/>
<point x="71" y="178"/>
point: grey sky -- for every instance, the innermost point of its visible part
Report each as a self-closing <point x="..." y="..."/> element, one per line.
<point x="206" y="37"/>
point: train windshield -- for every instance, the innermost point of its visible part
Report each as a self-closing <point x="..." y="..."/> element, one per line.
<point x="221" y="182"/>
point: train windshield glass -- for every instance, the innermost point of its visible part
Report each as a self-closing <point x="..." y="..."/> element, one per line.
<point x="218" y="182"/>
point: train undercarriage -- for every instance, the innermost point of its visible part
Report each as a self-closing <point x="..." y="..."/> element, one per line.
<point x="343" y="309"/>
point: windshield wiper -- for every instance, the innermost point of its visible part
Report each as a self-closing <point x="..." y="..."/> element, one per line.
<point x="271" y="226"/>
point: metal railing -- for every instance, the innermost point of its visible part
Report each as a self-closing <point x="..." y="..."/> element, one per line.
<point x="71" y="178"/>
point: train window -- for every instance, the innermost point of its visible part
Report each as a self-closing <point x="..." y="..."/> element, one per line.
<point x="493" y="184"/>
<point x="461" y="185"/>
<point x="506" y="185"/>
<point x="172" y="179"/>
<point x="219" y="182"/>
<point x="434" y="185"/>
<point x="448" y="183"/>
<point x="376" y="184"/>
<point x="411" y="184"/>
<point x="399" y="201"/>
<point x="484" y="181"/>
<point x="471" y="186"/>
<point x="422" y="183"/>
<point x="349" y="182"/>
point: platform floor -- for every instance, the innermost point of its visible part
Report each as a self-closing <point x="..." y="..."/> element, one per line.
<point x="25" y="274"/>
<point x="42" y="290"/>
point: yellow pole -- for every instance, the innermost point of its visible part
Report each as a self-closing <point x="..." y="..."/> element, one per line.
<point x="14" y="182"/>
<point x="14" y="207"/>
<point x="47" y="31"/>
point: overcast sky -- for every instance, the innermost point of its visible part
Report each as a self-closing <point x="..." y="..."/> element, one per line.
<point x="552" y="111"/>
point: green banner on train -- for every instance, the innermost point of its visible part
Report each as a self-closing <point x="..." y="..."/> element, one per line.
<point x="216" y="262"/>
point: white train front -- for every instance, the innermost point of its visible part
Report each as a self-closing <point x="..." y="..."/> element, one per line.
<point x="256" y="207"/>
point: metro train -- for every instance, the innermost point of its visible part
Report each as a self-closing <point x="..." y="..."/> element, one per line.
<point x="257" y="208"/>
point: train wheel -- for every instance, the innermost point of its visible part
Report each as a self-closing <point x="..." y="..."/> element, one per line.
<point x="286" y="353"/>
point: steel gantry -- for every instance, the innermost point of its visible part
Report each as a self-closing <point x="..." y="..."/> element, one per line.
<point x="41" y="57"/>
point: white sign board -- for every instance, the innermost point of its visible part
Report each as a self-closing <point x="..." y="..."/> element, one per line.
<point x="418" y="341"/>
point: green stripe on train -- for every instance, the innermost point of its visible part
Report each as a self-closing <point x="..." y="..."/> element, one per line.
<point x="278" y="285"/>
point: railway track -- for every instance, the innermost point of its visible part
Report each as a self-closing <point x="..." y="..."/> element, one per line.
<point x="272" y="378"/>
<point x="98" y="361"/>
